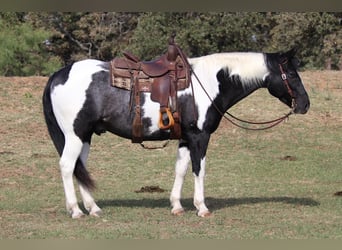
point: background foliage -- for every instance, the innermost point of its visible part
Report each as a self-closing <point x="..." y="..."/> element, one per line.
<point x="22" y="50"/>
<point x="39" y="43"/>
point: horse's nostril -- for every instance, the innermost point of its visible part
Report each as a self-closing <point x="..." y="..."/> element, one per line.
<point x="307" y="106"/>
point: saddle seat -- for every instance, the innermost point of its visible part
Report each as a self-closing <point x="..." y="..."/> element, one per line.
<point x="154" y="68"/>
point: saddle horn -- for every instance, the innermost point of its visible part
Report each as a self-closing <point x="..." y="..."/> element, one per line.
<point x="172" y="51"/>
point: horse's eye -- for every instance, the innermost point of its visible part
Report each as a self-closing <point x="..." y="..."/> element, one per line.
<point x="295" y="62"/>
<point x="292" y="74"/>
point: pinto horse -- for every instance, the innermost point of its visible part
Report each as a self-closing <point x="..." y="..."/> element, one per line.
<point x="79" y="101"/>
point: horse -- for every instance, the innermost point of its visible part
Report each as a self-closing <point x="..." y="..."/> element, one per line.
<point x="79" y="101"/>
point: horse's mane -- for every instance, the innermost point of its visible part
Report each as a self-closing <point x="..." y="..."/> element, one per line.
<point x="272" y="61"/>
<point x="246" y="68"/>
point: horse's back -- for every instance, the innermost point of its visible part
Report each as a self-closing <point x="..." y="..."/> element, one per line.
<point x="79" y="70"/>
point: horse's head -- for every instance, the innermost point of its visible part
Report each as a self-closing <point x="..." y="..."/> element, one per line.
<point x="284" y="82"/>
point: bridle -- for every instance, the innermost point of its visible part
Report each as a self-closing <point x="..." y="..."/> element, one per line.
<point x="287" y="84"/>
<point x="270" y="124"/>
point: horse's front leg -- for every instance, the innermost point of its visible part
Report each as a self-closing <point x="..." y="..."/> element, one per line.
<point x="182" y="163"/>
<point x="198" y="147"/>
<point x="194" y="150"/>
<point x="199" y="202"/>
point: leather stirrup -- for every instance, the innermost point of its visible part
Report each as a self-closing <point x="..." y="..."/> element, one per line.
<point x="171" y="121"/>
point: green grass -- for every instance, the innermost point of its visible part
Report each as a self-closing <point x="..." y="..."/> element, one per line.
<point x="274" y="184"/>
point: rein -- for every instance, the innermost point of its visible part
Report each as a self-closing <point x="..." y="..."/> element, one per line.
<point x="270" y="124"/>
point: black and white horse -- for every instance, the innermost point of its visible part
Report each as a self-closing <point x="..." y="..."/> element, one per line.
<point x="79" y="101"/>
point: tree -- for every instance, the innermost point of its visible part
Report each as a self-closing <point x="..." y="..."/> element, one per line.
<point x="316" y="35"/>
<point x="199" y="33"/>
<point x="79" y="35"/>
<point x="22" y="50"/>
<point x="40" y="42"/>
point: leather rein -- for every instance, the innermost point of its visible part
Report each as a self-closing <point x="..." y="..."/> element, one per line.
<point x="270" y="124"/>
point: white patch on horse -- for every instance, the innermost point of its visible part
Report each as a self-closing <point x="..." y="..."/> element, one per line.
<point x="73" y="91"/>
<point x="150" y="110"/>
<point x="249" y="66"/>
<point x="205" y="73"/>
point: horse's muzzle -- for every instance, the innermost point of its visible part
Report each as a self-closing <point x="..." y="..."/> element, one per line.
<point x="302" y="106"/>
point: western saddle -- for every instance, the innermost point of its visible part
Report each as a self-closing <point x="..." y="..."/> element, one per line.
<point x="162" y="77"/>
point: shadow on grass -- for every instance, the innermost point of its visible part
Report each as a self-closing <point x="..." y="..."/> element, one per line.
<point x="212" y="203"/>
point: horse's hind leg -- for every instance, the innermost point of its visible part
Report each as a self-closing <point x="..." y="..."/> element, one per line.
<point x="71" y="152"/>
<point x="87" y="198"/>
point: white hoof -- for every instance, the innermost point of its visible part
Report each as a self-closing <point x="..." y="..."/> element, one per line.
<point x="178" y="212"/>
<point x="204" y="214"/>
<point x="96" y="213"/>
<point x="77" y="215"/>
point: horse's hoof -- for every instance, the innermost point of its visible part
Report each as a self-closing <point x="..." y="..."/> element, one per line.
<point x="178" y="212"/>
<point x="204" y="214"/>
<point x="96" y="213"/>
<point x="77" y="215"/>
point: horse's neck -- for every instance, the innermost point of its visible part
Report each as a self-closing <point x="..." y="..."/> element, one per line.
<point x="234" y="88"/>
<point x="237" y="93"/>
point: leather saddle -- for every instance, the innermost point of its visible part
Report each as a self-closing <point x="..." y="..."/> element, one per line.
<point x="162" y="77"/>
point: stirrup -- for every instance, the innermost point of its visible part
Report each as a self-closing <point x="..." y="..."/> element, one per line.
<point x="162" y="119"/>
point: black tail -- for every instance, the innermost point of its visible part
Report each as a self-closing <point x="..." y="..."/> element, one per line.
<point x="55" y="132"/>
<point x="57" y="135"/>
<point x="82" y="175"/>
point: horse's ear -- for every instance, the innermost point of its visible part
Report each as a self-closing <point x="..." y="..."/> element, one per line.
<point x="291" y="53"/>
<point x="291" y="56"/>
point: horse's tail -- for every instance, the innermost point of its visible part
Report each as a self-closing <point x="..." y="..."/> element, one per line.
<point x="58" y="138"/>
<point x="55" y="131"/>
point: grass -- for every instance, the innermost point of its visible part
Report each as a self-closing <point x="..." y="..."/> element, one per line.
<point x="274" y="184"/>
